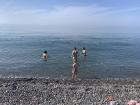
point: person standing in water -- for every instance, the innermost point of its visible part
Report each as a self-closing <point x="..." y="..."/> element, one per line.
<point x="74" y="63"/>
<point x="74" y="55"/>
<point x="45" y="55"/>
<point x="84" y="52"/>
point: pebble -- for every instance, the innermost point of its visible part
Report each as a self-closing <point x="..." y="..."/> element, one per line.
<point x="65" y="92"/>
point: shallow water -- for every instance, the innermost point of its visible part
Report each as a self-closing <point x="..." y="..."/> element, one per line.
<point x="20" y="55"/>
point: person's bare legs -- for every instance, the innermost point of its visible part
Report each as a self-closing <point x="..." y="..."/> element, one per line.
<point x="72" y="76"/>
<point x="74" y="60"/>
<point x="74" y="71"/>
<point x="75" y="76"/>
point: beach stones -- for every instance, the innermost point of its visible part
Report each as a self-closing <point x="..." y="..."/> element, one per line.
<point x="66" y="92"/>
<point x="114" y="103"/>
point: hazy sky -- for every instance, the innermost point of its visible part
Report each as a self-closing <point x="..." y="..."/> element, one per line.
<point x="73" y="15"/>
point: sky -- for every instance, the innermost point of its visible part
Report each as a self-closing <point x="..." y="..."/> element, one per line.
<point x="71" y="15"/>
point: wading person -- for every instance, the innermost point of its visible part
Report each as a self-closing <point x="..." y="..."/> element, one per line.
<point x="74" y="55"/>
<point x="45" y="55"/>
<point x="84" y="54"/>
<point x="74" y="63"/>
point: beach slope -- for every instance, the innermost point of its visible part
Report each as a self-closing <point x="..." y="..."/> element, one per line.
<point x="41" y="91"/>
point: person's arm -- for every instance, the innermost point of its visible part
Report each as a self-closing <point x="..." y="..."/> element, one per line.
<point x="72" y="54"/>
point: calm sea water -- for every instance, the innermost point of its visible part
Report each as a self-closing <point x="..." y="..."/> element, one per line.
<point x="20" y="55"/>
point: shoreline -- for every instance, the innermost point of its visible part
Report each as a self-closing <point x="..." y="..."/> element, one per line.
<point x="42" y="91"/>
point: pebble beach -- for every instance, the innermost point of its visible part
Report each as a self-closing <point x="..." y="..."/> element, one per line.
<point x="42" y="91"/>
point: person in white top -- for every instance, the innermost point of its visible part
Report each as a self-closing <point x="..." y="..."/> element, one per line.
<point x="45" y="55"/>
<point x="84" y="52"/>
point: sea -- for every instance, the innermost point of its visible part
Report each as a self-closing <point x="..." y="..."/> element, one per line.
<point x="107" y="57"/>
